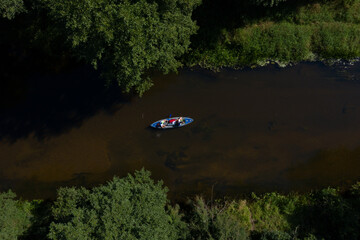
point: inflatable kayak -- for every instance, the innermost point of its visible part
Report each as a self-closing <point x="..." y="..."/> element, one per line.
<point x="172" y="122"/>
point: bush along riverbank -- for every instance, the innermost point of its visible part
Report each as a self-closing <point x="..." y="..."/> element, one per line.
<point x="290" y="32"/>
<point x="136" y="207"/>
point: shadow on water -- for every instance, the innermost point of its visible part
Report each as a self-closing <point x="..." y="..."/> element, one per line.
<point x="44" y="91"/>
<point x="45" y="105"/>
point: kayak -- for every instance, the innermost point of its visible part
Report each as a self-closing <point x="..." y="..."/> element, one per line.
<point x="172" y="123"/>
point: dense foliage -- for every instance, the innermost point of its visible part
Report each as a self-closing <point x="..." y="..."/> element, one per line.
<point x="126" y="39"/>
<point x="135" y="207"/>
<point x="212" y="222"/>
<point x="292" y="31"/>
<point x="9" y="8"/>
<point x="14" y="216"/>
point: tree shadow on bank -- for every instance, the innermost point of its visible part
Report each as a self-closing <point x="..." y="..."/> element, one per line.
<point x="48" y="104"/>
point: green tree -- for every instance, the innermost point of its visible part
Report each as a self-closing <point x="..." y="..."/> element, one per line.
<point x="133" y="207"/>
<point x="14" y="217"/>
<point x="9" y="8"/>
<point x="214" y="222"/>
<point x="127" y="39"/>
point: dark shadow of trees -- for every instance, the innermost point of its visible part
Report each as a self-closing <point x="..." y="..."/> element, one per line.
<point x="40" y="221"/>
<point x="327" y="214"/>
<point x="44" y="91"/>
<point x="48" y="105"/>
<point x="48" y="101"/>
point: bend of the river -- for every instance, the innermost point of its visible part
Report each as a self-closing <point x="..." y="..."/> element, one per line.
<point x="266" y="129"/>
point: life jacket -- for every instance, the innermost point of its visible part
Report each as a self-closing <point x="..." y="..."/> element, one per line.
<point x="172" y="121"/>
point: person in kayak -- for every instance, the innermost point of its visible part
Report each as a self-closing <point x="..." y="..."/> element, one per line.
<point x="163" y="123"/>
<point x="179" y="121"/>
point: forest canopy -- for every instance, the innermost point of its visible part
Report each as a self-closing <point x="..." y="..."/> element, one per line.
<point x="126" y="39"/>
<point x="133" y="207"/>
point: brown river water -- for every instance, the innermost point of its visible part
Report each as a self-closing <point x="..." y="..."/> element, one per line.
<point x="266" y="129"/>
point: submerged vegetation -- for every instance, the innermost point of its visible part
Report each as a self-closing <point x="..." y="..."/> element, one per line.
<point x="128" y="40"/>
<point x="136" y="207"/>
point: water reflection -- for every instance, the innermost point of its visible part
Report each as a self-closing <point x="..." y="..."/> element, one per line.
<point x="255" y="130"/>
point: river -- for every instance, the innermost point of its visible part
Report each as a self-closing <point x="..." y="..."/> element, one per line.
<point x="263" y="129"/>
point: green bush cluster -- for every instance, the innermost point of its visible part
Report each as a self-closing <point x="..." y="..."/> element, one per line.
<point x="126" y="39"/>
<point x="214" y="222"/>
<point x="14" y="216"/>
<point x="136" y="207"/>
<point x="284" y="42"/>
<point x="337" y="40"/>
<point x="316" y="31"/>
<point x="133" y="207"/>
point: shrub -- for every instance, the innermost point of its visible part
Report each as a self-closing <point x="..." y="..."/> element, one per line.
<point x="14" y="217"/>
<point x="272" y="211"/>
<point x="240" y="211"/>
<point x="337" y="40"/>
<point x="129" y="208"/>
<point x="214" y="222"/>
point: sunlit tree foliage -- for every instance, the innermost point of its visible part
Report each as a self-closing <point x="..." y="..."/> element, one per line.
<point x="14" y="219"/>
<point x="127" y="39"/>
<point x="128" y="208"/>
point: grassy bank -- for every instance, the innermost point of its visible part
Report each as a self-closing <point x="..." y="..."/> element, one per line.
<point x="290" y="32"/>
<point x="136" y="207"/>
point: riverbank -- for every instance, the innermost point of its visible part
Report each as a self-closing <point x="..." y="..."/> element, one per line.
<point x="136" y="207"/>
<point x="229" y="33"/>
<point x="289" y="33"/>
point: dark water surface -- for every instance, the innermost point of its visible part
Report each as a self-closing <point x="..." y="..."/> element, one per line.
<point x="258" y="130"/>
